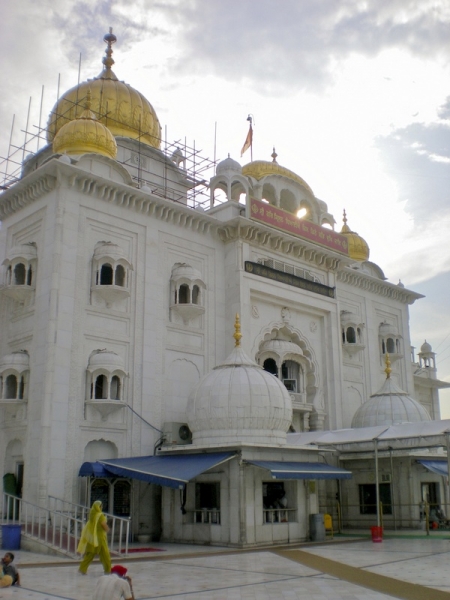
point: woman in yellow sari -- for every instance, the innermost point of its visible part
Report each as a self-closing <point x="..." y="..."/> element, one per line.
<point x="93" y="540"/>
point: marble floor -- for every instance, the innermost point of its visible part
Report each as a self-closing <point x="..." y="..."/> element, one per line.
<point x="195" y="572"/>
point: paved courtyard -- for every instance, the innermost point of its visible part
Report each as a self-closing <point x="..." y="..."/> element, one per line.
<point x="410" y="568"/>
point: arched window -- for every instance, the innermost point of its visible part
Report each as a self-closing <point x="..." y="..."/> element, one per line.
<point x="115" y="388"/>
<point x="101" y="388"/>
<point x="11" y="387"/>
<point x="195" y="294"/>
<point x="8" y="275"/>
<point x="19" y="274"/>
<point x="106" y="275"/>
<point x="270" y="366"/>
<point x="351" y="337"/>
<point x="291" y="374"/>
<point x="30" y="275"/>
<point x="183" y="294"/>
<point x="120" y="276"/>
<point x="390" y="346"/>
<point x="22" y="388"/>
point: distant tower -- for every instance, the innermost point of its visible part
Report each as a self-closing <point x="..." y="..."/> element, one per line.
<point x="427" y="358"/>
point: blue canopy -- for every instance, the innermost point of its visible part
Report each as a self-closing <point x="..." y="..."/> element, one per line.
<point x="93" y="469"/>
<point x="171" y="471"/>
<point x="301" y="470"/>
<point x="440" y="467"/>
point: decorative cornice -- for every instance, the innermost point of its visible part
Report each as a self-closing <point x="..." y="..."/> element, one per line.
<point x="377" y="286"/>
<point x="284" y="243"/>
<point x="25" y="192"/>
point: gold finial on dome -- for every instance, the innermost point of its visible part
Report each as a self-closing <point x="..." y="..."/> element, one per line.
<point x="388" y="369"/>
<point x="110" y="39"/>
<point x="237" y="331"/>
<point x="357" y="246"/>
<point x="274" y="155"/>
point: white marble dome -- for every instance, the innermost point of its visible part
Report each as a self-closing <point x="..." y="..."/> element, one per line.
<point x="108" y="250"/>
<point x="228" y="165"/>
<point x="389" y="406"/>
<point x="239" y="402"/>
<point x="426" y="347"/>
<point x="18" y="361"/>
<point x="105" y="359"/>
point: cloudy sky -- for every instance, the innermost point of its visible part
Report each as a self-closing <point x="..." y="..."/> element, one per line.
<point x="353" y="94"/>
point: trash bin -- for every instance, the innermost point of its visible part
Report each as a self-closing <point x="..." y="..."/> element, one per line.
<point x="377" y="534"/>
<point x="11" y="536"/>
<point x="316" y="528"/>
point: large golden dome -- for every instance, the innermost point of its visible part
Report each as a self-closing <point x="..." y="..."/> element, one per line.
<point x="261" y="168"/>
<point x="85" y="134"/>
<point x="116" y="104"/>
<point x="358" y="248"/>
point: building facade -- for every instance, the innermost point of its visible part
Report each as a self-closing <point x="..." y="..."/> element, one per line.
<point x="119" y="295"/>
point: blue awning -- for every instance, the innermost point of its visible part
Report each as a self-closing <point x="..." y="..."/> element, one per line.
<point x="93" y="469"/>
<point x="172" y="471"/>
<point x="440" y="467"/>
<point x="301" y="470"/>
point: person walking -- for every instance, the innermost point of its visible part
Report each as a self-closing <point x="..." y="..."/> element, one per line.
<point x="93" y="541"/>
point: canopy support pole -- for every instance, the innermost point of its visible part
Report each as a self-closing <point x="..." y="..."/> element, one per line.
<point x="377" y="485"/>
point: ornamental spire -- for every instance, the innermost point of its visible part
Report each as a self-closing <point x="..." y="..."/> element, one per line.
<point x="388" y="369"/>
<point x="237" y="332"/>
<point x="110" y="39"/>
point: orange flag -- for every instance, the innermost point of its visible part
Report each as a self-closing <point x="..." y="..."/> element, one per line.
<point x="248" y="140"/>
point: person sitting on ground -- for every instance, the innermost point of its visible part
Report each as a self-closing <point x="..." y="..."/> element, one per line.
<point x="115" y="586"/>
<point x="9" y="574"/>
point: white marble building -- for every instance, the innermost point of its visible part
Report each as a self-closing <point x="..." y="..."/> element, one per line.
<point x="119" y="295"/>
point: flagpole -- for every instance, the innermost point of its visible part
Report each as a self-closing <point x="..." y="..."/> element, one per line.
<point x="250" y="118"/>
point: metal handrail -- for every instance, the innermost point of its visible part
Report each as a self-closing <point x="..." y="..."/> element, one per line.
<point x="59" y="528"/>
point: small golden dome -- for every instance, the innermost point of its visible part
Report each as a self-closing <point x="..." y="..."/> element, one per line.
<point x="85" y="134"/>
<point x="357" y="246"/>
<point x="117" y="105"/>
<point x="261" y="168"/>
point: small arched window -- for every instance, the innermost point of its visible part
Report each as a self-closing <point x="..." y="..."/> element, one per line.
<point x="183" y="294"/>
<point x="30" y="275"/>
<point x="101" y="388"/>
<point x="390" y="346"/>
<point x="351" y="337"/>
<point x="270" y="366"/>
<point x="106" y="275"/>
<point x="115" y="388"/>
<point x="19" y="274"/>
<point x="195" y="294"/>
<point x="11" y="387"/>
<point x="292" y="376"/>
<point x="120" y="276"/>
<point x="22" y="388"/>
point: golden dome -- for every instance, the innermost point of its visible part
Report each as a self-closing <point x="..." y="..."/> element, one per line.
<point x="117" y="105"/>
<point x="261" y="168"/>
<point x="357" y="246"/>
<point x="85" y="134"/>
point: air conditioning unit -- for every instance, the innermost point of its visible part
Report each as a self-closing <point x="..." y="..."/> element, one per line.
<point x="177" y="433"/>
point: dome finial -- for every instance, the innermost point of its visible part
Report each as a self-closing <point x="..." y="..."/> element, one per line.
<point x="388" y="369"/>
<point x="110" y="39"/>
<point x="237" y="331"/>
<point x="274" y="155"/>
